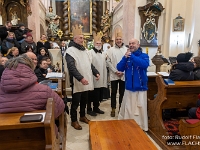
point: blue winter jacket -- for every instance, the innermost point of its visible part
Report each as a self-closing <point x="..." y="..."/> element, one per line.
<point x="135" y="68"/>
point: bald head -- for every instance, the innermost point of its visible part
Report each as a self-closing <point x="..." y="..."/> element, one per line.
<point x="133" y="45"/>
<point x="33" y="57"/>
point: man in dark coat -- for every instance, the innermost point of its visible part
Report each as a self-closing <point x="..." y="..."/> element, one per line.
<point x="4" y="30"/>
<point x="20" y="34"/>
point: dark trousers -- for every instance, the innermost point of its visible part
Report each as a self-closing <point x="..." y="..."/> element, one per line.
<point x="192" y="111"/>
<point x="77" y="98"/>
<point x="95" y="96"/>
<point x="114" y="87"/>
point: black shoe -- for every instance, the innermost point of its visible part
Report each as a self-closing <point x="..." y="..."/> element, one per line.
<point x="99" y="111"/>
<point x="91" y="113"/>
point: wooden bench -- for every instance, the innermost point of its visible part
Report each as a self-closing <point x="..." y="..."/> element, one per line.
<point x="181" y="95"/>
<point x="33" y="135"/>
<point x="192" y="131"/>
<point x="118" y="135"/>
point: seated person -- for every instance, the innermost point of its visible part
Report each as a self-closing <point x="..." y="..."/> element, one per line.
<point x="21" y="33"/>
<point x="43" y="52"/>
<point x="19" y="91"/>
<point x="8" y="43"/>
<point x="41" y="71"/>
<point x="1" y="68"/>
<point x="13" y="52"/>
<point x="183" y="69"/>
<point x="29" y="48"/>
<point x="194" y="113"/>
<point x="196" y="62"/>
<point x="33" y="57"/>
<point x="3" y="60"/>
<point x="28" y="42"/>
<point x="50" y="67"/>
<point x="43" y="43"/>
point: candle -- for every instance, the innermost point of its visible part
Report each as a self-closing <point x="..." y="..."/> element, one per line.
<point x="147" y="50"/>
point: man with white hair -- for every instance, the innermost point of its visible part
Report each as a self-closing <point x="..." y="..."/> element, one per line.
<point x="81" y="73"/>
<point x="134" y="104"/>
<point x="99" y="61"/>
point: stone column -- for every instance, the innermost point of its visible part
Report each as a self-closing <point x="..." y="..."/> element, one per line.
<point x="34" y="20"/>
<point x="128" y="20"/>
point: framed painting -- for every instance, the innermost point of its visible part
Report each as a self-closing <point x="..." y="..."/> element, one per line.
<point x="80" y="12"/>
<point x="178" y="24"/>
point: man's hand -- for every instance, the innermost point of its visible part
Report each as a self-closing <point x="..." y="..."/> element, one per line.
<point x="84" y="81"/>
<point x="120" y="74"/>
<point x="97" y="77"/>
<point x="128" y="53"/>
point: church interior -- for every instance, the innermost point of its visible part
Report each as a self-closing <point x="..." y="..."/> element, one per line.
<point x="164" y="29"/>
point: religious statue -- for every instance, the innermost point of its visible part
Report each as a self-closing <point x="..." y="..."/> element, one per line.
<point x="159" y="50"/>
<point x="15" y="18"/>
<point x="53" y="21"/>
<point x="28" y="7"/>
<point x="105" y="24"/>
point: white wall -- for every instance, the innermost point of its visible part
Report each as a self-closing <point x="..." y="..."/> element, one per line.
<point x="172" y="43"/>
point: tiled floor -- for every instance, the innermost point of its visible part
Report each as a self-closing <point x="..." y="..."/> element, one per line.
<point x="79" y="139"/>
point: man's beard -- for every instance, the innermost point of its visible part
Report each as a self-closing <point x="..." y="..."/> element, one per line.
<point x="98" y="47"/>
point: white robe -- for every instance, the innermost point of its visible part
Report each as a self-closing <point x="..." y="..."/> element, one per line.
<point x="134" y="106"/>
<point x="83" y="65"/>
<point x="0" y="20"/>
<point x="114" y="55"/>
<point x="99" y="62"/>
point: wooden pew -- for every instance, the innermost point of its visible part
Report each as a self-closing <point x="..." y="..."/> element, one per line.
<point x="33" y="135"/>
<point x="118" y="135"/>
<point x="192" y="131"/>
<point x="181" y="95"/>
<point x="67" y="86"/>
<point x="152" y="87"/>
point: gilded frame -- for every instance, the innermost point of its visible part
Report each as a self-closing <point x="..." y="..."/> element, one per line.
<point x="72" y="19"/>
<point x="178" y="24"/>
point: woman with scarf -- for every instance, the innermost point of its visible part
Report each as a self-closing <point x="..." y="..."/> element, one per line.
<point x="9" y="42"/>
<point x="28" y="42"/>
<point x="43" y="43"/>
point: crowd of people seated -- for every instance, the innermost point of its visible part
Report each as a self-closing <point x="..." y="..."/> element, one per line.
<point x="19" y="80"/>
<point x="20" y="41"/>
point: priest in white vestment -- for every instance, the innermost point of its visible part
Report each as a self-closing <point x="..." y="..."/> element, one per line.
<point x="134" y="104"/>
<point x="81" y="73"/>
<point x="114" y="55"/>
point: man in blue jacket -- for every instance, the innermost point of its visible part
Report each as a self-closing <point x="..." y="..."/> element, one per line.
<point x="134" y="104"/>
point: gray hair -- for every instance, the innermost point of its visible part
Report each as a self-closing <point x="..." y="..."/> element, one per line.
<point x="22" y="59"/>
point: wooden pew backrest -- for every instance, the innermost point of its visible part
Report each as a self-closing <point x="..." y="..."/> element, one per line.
<point x="32" y="135"/>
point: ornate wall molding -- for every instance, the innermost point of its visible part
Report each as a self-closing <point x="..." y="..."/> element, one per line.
<point x="65" y="19"/>
<point x="94" y="16"/>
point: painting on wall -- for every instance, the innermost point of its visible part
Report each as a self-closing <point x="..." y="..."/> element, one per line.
<point x="80" y="13"/>
<point x="178" y="23"/>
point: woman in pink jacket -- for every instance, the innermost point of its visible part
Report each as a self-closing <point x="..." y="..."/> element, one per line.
<point x="20" y="92"/>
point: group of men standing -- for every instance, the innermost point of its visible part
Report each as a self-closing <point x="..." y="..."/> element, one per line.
<point x="88" y="76"/>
